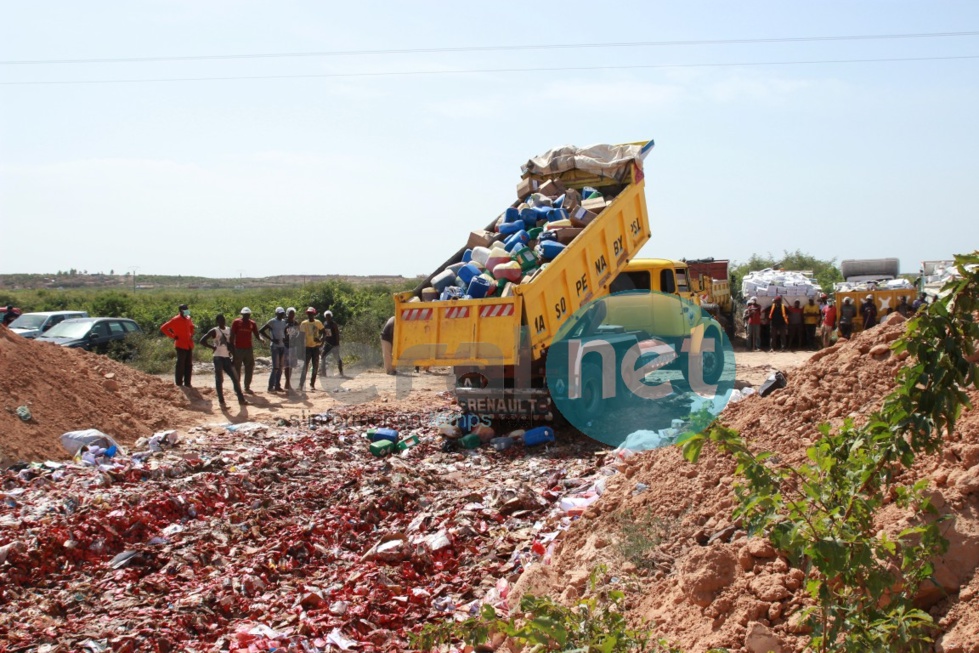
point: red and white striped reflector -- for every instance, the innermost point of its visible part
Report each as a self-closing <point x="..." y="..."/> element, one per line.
<point x="457" y="311"/>
<point x="496" y="310"/>
<point x="416" y="314"/>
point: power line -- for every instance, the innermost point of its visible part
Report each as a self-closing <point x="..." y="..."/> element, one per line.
<point x="494" y="48"/>
<point x="487" y="70"/>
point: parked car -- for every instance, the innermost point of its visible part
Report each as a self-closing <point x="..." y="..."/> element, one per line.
<point x="91" y="333"/>
<point x="31" y="325"/>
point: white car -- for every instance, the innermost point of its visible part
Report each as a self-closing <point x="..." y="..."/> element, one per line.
<point x="31" y="325"/>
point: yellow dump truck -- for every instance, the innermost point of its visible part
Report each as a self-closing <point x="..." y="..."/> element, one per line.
<point x="498" y="345"/>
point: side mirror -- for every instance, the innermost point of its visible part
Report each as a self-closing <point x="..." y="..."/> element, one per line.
<point x="92" y="335"/>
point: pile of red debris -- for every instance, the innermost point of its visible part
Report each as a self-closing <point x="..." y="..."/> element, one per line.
<point x="255" y="537"/>
<point x="699" y="581"/>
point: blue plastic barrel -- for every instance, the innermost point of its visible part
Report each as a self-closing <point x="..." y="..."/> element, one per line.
<point x="512" y="215"/>
<point x="550" y="249"/>
<point x="479" y="287"/>
<point x="519" y="238"/>
<point x="467" y="272"/>
<point x="384" y="434"/>
<point x="508" y="228"/>
<point x="443" y="280"/>
<point x="553" y="215"/>
<point x="539" y="435"/>
<point x="467" y="256"/>
<point x="547" y="235"/>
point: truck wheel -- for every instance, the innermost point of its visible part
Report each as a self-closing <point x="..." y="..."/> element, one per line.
<point x="713" y="362"/>
<point x="590" y="405"/>
<point x="472" y="380"/>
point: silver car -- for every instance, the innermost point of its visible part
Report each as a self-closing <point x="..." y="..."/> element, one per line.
<point x="31" y="325"/>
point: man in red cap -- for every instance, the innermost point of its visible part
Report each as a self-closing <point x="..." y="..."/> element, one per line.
<point x="312" y="330"/>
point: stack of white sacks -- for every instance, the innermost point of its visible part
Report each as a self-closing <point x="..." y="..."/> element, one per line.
<point x="768" y="284"/>
<point x="889" y="284"/>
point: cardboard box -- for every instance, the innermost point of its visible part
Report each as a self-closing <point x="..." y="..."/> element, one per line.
<point x="552" y="188"/>
<point x="582" y="217"/>
<point x="526" y="187"/>
<point x="595" y="205"/>
<point x="566" y="235"/>
<point x="480" y="239"/>
<point x="572" y="200"/>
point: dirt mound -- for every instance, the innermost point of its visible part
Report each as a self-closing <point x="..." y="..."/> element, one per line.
<point x="71" y="389"/>
<point x="699" y="580"/>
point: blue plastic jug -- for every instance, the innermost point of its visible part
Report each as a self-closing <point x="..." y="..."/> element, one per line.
<point x="519" y="238"/>
<point x="553" y="215"/>
<point x="451" y="292"/>
<point x="550" y="248"/>
<point x="547" y="235"/>
<point x="479" y="287"/>
<point x="467" y="256"/>
<point x="467" y="272"/>
<point x="512" y="215"/>
<point x="455" y="267"/>
<point x="559" y="202"/>
<point x="443" y="280"/>
<point x="508" y="228"/>
<point x="539" y="435"/>
<point x="384" y="434"/>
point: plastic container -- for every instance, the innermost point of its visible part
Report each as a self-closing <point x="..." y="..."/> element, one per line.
<point x="497" y="257"/>
<point x="467" y="272"/>
<point x="383" y="434"/>
<point x="452" y="292"/>
<point x="408" y="442"/>
<point x="467" y="256"/>
<point x="534" y="234"/>
<point x="538" y="436"/>
<point x="525" y="258"/>
<point x="382" y="448"/>
<point x="557" y="214"/>
<point x="558" y="224"/>
<point x="512" y="215"/>
<point x="509" y="271"/>
<point x="550" y="248"/>
<point x="540" y="200"/>
<point x="508" y="228"/>
<point x="546" y="235"/>
<point x="558" y="201"/>
<point x="501" y="444"/>
<point x="470" y="441"/>
<point x="443" y="280"/>
<point x="479" y="287"/>
<point x="519" y="238"/>
<point x="480" y="254"/>
<point x="588" y="193"/>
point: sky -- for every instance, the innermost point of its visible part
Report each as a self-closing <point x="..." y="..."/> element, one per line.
<point x="358" y="163"/>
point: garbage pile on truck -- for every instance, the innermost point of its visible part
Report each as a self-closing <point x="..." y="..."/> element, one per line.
<point x="765" y="285"/>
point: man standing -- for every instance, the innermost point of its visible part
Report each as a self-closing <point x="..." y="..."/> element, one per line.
<point x="312" y="330"/>
<point x="752" y="318"/>
<point x="918" y="303"/>
<point x="294" y="345"/>
<point x="180" y="329"/>
<point x="275" y="331"/>
<point x="796" y="325"/>
<point x="779" y="319"/>
<point x="242" y="330"/>
<point x="811" y="314"/>
<point x="847" y="314"/>
<point x="10" y="314"/>
<point x="331" y="342"/>
<point x="869" y="312"/>
<point x="829" y="322"/>
<point x="221" y="335"/>
<point x="387" y="345"/>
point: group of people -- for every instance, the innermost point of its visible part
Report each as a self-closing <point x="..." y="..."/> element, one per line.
<point x="781" y="327"/>
<point x="289" y="339"/>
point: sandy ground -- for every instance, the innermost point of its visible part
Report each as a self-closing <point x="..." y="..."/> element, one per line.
<point x="372" y="384"/>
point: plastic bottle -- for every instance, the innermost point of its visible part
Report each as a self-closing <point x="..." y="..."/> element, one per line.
<point x="538" y="435"/>
<point x="384" y="434"/>
<point x="467" y="272"/>
<point x="510" y="227"/>
<point x="443" y="280"/>
<point x="479" y="287"/>
<point x="480" y="254"/>
<point x="470" y="441"/>
<point x="509" y="271"/>
<point x="512" y="215"/>
<point x="550" y="249"/>
<point x="501" y="443"/>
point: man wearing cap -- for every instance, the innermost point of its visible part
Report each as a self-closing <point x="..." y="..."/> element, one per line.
<point x="180" y="329"/>
<point x="752" y="318"/>
<point x="312" y="330"/>
<point x="242" y="330"/>
<point x="275" y="331"/>
<point x="868" y="311"/>
<point x="331" y="342"/>
<point x="294" y="345"/>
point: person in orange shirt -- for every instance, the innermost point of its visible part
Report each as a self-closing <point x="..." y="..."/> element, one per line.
<point x="180" y="328"/>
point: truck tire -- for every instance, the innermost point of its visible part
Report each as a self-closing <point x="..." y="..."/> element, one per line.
<point x="713" y="361"/>
<point x="867" y="267"/>
<point x="590" y="406"/>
